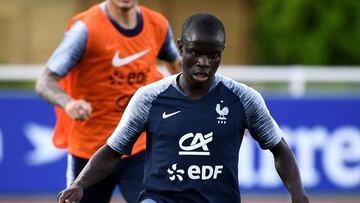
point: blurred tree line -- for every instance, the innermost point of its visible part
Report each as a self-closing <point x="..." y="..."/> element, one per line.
<point x="321" y="32"/>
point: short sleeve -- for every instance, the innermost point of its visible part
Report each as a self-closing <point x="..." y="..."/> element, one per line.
<point x="135" y="117"/>
<point x="131" y="125"/>
<point x="70" y="51"/>
<point x="169" y="51"/>
<point x="261" y="125"/>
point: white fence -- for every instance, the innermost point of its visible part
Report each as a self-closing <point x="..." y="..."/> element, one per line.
<point x="295" y="76"/>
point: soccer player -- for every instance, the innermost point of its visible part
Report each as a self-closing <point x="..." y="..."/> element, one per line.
<point x="195" y="122"/>
<point x="107" y="53"/>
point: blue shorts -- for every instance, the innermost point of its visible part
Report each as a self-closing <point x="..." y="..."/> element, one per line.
<point x="128" y="175"/>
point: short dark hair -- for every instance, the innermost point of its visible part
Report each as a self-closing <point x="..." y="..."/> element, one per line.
<point x="203" y="23"/>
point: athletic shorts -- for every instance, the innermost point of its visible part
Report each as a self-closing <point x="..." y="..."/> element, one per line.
<point x="128" y="175"/>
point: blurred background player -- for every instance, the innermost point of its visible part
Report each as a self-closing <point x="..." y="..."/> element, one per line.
<point x="195" y="122"/>
<point x="107" y="53"/>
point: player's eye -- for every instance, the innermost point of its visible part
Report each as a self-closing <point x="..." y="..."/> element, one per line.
<point x="195" y="54"/>
<point x="214" y="55"/>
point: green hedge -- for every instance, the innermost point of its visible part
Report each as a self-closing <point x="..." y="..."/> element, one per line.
<point x="311" y="32"/>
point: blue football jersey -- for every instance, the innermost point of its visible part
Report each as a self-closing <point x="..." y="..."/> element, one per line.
<point x="193" y="145"/>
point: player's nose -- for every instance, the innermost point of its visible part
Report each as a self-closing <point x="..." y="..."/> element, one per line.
<point x="203" y="61"/>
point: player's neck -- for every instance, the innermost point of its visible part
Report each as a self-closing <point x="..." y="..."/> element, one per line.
<point x="194" y="91"/>
<point x="126" y="18"/>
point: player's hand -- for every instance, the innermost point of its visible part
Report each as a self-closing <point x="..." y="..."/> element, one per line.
<point x="70" y="195"/>
<point x="78" y="109"/>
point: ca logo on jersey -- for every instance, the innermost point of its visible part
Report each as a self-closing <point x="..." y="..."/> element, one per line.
<point x="222" y="113"/>
<point x="198" y="145"/>
<point x="195" y="144"/>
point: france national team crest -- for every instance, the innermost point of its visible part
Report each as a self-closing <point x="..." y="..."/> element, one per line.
<point x="224" y="111"/>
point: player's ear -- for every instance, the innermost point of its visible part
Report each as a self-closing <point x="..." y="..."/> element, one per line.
<point x="180" y="46"/>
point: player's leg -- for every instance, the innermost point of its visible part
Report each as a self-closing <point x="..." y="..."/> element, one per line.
<point x="131" y="177"/>
<point x="99" y="193"/>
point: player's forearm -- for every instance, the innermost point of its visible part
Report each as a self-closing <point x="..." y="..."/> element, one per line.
<point x="99" y="166"/>
<point x="289" y="174"/>
<point x="47" y="86"/>
<point x="288" y="171"/>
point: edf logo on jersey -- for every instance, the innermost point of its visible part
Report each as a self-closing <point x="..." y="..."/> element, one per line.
<point x="197" y="146"/>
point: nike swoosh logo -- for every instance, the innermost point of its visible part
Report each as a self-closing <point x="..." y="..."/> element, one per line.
<point x="164" y="115"/>
<point x="118" y="62"/>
